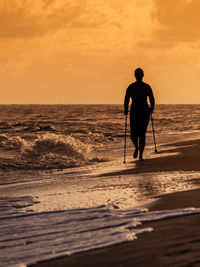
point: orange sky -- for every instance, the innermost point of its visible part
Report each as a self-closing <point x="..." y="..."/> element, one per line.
<point x="85" y="51"/>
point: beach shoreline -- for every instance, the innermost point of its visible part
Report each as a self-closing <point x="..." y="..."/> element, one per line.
<point x="182" y="156"/>
<point x="174" y="242"/>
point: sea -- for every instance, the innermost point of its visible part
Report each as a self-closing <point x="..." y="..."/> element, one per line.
<point x="55" y="196"/>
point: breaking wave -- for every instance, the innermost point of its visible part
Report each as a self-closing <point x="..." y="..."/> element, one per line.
<point x="12" y="143"/>
<point x="47" y="151"/>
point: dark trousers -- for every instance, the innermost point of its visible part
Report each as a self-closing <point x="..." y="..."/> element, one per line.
<point x="138" y="124"/>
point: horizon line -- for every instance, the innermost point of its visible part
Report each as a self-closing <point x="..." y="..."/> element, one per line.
<point x="91" y="104"/>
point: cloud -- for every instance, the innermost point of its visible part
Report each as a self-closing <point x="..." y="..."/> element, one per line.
<point x="71" y="44"/>
<point x="59" y="38"/>
<point x="178" y="21"/>
<point x="27" y="19"/>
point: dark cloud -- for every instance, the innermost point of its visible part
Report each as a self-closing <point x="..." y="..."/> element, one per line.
<point x="27" y="19"/>
<point x="17" y="24"/>
<point x="179" y="21"/>
<point x="20" y="20"/>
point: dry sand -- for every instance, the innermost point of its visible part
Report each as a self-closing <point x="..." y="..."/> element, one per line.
<point x="174" y="242"/>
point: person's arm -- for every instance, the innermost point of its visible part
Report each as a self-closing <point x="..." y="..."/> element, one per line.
<point x="151" y="100"/>
<point x="126" y="101"/>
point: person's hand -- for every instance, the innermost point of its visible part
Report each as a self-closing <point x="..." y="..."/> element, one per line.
<point x="126" y="112"/>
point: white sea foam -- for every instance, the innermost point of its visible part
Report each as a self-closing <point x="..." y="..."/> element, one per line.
<point x="28" y="237"/>
<point x="46" y="151"/>
<point x="13" y="143"/>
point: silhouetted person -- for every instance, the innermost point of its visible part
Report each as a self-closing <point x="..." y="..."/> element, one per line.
<point x="140" y="111"/>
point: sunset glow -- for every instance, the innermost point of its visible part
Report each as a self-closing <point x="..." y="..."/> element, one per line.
<point x="85" y="51"/>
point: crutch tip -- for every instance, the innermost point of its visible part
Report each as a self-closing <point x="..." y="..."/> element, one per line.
<point x="156" y="151"/>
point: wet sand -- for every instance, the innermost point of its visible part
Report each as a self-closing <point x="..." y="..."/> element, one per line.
<point x="173" y="242"/>
<point x="186" y="159"/>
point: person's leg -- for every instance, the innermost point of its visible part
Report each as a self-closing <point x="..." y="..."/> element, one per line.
<point x="141" y="146"/>
<point x="135" y="142"/>
<point x="142" y="135"/>
<point x="134" y="135"/>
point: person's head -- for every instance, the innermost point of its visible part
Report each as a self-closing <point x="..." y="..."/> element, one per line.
<point x="139" y="74"/>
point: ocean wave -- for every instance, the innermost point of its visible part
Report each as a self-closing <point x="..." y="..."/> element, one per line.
<point x="13" y="143"/>
<point x="47" y="151"/>
<point x="40" y="128"/>
<point x="51" y="234"/>
<point x="92" y="137"/>
<point x="58" y="144"/>
<point x="5" y="125"/>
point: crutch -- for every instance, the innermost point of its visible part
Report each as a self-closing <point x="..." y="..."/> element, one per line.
<point x="153" y="131"/>
<point x="125" y="139"/>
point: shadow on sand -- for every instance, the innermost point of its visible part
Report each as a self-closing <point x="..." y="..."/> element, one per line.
<point x="186" y="159"/>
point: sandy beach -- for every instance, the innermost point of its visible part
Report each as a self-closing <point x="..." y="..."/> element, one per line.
<point x="173" y="242"/>
<point x="185" y="158"/>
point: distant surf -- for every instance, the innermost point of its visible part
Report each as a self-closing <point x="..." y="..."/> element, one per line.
<point x="43" y="137"/>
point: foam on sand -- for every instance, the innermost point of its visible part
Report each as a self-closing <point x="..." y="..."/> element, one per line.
<point x="28" y="237"/>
